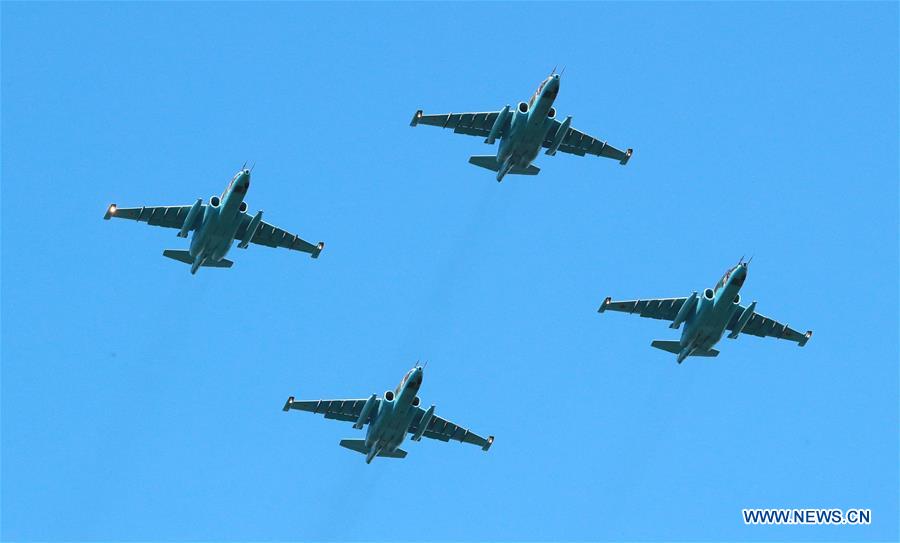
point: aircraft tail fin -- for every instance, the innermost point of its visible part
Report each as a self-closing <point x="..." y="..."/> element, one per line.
<point x="359" y="445"/>
<point x="668" y="346"/>
<point x="485" y="161"/>
<point x="185" y="256"/>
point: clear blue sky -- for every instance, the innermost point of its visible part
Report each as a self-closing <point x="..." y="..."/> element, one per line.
<point x="141" y="403"/>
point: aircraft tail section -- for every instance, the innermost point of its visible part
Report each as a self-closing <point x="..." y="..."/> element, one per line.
<point x="185" y="256"/>
<point x="530" y="170"/>
<point x="359" y="445"/>
<point x="485" y="161"/>
<point x="181" y="256"/>
<point x="490" y="162"/>
<point x="711" y="353"/>
<point x="673" y="347"/>
<point x="396" y="453"/>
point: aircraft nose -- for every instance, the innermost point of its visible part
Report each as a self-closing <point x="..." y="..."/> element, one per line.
<point x="553" y="84"/>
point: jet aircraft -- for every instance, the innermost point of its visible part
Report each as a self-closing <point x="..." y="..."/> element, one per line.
<point x="706" y="317"/>
<point x="522" y="133"/>
<point x="390" y="418"/>
<point x="216" y="225"/>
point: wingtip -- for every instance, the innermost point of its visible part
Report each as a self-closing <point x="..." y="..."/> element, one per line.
<point x="490" y="441"/>
<point x="605" y="303"/>
<point x="628" y="153"/>
<point x="416" y="117"/>
<point x="288" y="403"/>
<point x="319" y="247"/>
<point x="110" y="211"/>
<point x="806" y="337"/>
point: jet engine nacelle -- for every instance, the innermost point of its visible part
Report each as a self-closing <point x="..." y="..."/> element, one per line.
<point x="552" y="113"/>
<point x="243" y="207"/>
<point x="737" y="299"/>
<point x="214" y="201"/>
<point x="389" y="395"/>
<point x="416" y="401"/>
<point x="521" y="114"/>
<point x="706" y="301"/>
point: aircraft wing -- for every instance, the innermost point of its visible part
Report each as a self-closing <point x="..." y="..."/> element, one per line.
<point x="578" y="143"/>
<point x="473" y="124"/>
<point x="272" y="236"/>
<point x="762" y="326"/>
<point x="444" y="430"/>
<point x="660" y="308"/>
<point x="167" y="216"/>
<point x="347" y="410"/>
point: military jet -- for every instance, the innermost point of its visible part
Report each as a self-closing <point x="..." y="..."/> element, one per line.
<point x="216" y="225"/>
<point x="706" y="317"/>
<point x="522" y="133"/>
<point x="390" y="418"/>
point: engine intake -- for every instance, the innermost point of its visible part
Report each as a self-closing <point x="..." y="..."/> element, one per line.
<point x="709" y="294"/>
<point x="389" y="395"/>
<point x="214" y="201"/>
<point x="552" y="113"/>
<point x="523" y="107"/>
<point x="737" y="299"/>
<point x="243" y="207"/>
<point x="416" y="401"/>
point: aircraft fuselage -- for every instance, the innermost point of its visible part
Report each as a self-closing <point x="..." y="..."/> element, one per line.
<point x="395" y="415"/>
<point x="528" y="128"/>
<point x="704" y="327"/>
<point x="213" y="239"/>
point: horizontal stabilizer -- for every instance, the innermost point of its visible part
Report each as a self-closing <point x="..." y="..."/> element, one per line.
<point x="530" y="170"/>
<point x="703" y="352"/>
<point x="674" y="347"/>
<point x="185" y="256"/>
<point x="485" y="161"/>
<point x="224" y="263"/>
<point x="181" y="256"/>
<point x="669" y="346"/>
<point x="397" y="453"/>
<point x="359" y="445"/>
<point x="490" y="162"/>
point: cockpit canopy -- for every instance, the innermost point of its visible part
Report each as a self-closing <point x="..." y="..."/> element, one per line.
<point x="537" y="93"/>
<point x="404" y="380"/>
<point x="724" y="279"/>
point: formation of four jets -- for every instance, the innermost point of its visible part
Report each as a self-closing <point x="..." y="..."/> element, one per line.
<point x="522" y="132"/>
